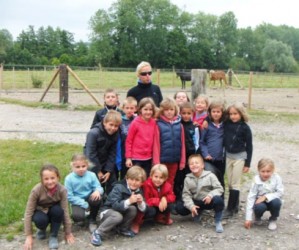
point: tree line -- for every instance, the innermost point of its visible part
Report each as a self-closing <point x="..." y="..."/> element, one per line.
<point x="159" y="32"/>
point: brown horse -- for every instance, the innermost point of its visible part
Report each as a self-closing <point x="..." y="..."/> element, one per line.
<point x="218" y="75"/>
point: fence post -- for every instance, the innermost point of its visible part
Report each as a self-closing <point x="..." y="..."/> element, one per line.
<point x="1" y="76"/>
<point x="158" y="77"/>
<point x="250" y="90"/>
<point x="230" y="77"/>
<point x="63" y="84"/>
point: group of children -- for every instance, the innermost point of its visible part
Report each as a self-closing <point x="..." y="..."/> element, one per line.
<point x="151" y="164"/>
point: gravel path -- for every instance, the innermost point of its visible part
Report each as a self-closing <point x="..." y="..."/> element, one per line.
<point x="273" y="139"/>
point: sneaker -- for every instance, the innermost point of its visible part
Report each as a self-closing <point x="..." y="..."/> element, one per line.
<point x="92" y="227"/>
<point x="272" y="225"/>
<point x="219" y="227"/>
<point x="127" y="233"/>
<point x="258" y="221"/>
<point x="96" y="239"/>
<point x="41" y="234"/>
<point x="53" y="242"/>
<point x="197" y="218"/>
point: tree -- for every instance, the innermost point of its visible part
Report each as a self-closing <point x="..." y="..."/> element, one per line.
<point x="6" y="43"/>
<point x="278" y="57"/>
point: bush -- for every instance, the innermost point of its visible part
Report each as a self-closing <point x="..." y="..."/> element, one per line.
<point x="36" y="82"/>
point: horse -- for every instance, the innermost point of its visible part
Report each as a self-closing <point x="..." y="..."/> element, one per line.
<point x="184" y="76"/>
<point x="218" y="75"/>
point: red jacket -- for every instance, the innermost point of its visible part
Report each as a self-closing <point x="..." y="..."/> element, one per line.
<point x="153" y="196"/>
<point x="140" y="139"/>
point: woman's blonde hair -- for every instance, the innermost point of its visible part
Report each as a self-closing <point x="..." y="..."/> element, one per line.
<point x="240" y="109"/>
<point x="161" y="168"/>
<point x="168" y="103"/>
<point x="144" y="101"/>
<point x="141" y="65"/>
<point x="264" y="162"/>
<point x="136" y="173"/>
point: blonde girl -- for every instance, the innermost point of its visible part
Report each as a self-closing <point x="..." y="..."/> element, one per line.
<point x="265" y="194"/>
<point x="169" y="140"/>
<point x="158" y="195"/>
<point x="238" y="147"/>
<point x="140" y="139"/>
<point x="201" y="104"/>
<point x="47" y="205"/>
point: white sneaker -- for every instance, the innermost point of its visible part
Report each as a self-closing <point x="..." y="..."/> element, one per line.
<point x="272" y="225"/>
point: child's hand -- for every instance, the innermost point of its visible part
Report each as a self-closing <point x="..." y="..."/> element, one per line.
<point x="163" y="204"/>
<point x="209" y="158"/>
<point x="133" y="198"/>
<point x="28" y="243"/>
<point x="204" y="125"/>
<point x="69" y="238"/>
<point x="260" y="199"/>
<point x="95" y="195"/>
<point x="105" y="177"/>
<point x="194" y="210"/>
<point x="196" y="124"/>
<point x="245" y="169"/>
<point x="207" y="199"/>
<point x="129" y="163"/>
<point x="247" y="224"/>
<point x="139" y="198"/>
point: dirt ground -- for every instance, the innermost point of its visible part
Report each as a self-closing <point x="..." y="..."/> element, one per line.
<point x="275" y="139"/>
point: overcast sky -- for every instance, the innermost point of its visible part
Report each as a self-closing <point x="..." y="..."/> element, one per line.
<point x="73" y="15"/>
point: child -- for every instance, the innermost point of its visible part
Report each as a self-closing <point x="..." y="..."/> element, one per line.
<point x="47" y="204"/>
<point x="192" y="136"/>
<point x="211" y="141"/>
<point x="158" y="195"/>
<point x="201" y="104"/>
<point x="140" y="139"/>
<point x="84" y="191"/>
<point x="265" y="194"/>
<point x="238" y="149"/>
<point x="121" y="206"/>
<point x="202" y="190"/>
<point x="111" y="102"/>
<point x="129" y="108"/>
<point x="181" y="97"/>
<point x="169" y="140"/>
<point x="100" y="148"/>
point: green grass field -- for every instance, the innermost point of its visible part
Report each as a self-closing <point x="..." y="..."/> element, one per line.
<point x="20" y="163"/>
<point x="123" y="79"/>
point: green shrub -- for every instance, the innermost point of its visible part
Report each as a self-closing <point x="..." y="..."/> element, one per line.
<point x="36" y="82"/>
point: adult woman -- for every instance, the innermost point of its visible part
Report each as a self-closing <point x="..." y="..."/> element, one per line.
<point x="145" y="87"/>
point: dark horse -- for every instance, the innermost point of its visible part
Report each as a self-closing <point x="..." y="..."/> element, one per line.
<point x="184" y="76"/>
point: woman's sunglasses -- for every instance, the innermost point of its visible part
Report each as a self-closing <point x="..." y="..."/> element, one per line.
<point x="145" y="73"/>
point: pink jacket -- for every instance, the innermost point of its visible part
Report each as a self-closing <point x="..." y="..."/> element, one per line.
<point x="140" y="139"/>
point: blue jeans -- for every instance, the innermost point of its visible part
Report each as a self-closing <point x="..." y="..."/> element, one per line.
<point x="272" y="206"/>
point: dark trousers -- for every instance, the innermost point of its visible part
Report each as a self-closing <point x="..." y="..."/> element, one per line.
<point x="272" y="206"/>
<point x="217" y="168"/>
<point x="217" y="204"/>
<point x="54" y="217"/>
<point x="78" y="213"/>
<point x="146" y="165"/>
<point x="179" y="182"/>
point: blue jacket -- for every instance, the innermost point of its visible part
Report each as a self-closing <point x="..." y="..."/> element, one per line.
<point x="170" y="140"/>
<point x="79" y="188"/>
<point x="211" y="142"/>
